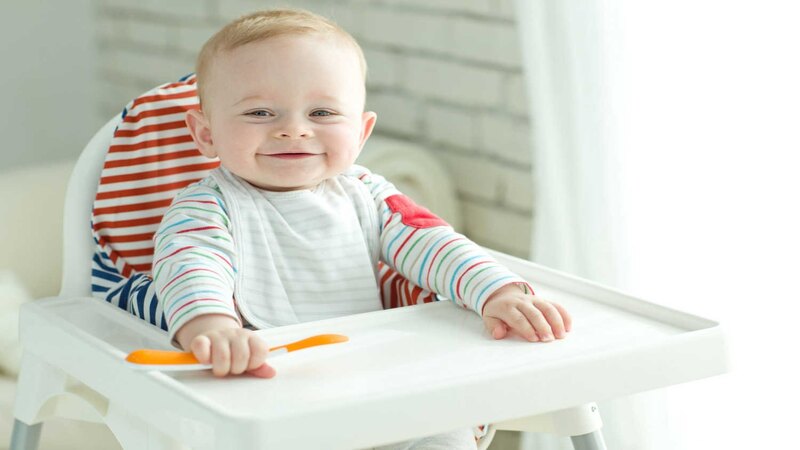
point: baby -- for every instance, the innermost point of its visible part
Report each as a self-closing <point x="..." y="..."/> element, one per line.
<point x="288" y="229"/>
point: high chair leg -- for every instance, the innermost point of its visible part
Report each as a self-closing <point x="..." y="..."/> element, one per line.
<point x="36" y="382"/>
<point x="24" y="436"/>
<point x="589" y="441"/>
<point x="581" y="423"/>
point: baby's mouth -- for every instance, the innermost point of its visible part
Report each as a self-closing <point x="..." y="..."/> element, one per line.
<point x="290" y="155"/>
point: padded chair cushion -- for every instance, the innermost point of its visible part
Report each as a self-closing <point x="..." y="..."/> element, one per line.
<point x="151" y="158"/>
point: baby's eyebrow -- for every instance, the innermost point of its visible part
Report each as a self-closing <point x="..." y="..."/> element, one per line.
<point x="325" y="97"/>
<point x="319" y="97"/>
<point x="248" y="98"/>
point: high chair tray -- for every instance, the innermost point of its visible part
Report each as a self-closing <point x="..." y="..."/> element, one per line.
<point x="405" y="373"/>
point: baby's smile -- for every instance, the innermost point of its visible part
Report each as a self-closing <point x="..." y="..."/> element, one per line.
<point x="290" y="155"/>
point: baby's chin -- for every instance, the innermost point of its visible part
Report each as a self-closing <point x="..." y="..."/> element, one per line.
<point x="283" y="186"/>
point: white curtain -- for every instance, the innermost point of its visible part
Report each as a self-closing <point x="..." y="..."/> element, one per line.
<point x="667" y="163"/>
<point x="573" y="169"/>
<point x="576" y="174"/>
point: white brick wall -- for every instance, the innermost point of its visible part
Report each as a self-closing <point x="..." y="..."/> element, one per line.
<point x="445" y="74"/>
<point x="396" y="113"/>
<point x="410" y="30"/>
<point x="383" y="68"/>
<point x="452" y="126"/>
<point x="493" y="43"/>
<point x="499" y="228"/>
<point x="516" y="96"/>
<point x="178" y="10"/>
<point x="476" y="179"/>
<point x="482" y="7"/>
<point x="506" y="137"/>
<point x="191" y="36"/>
<point x="453" y="82"/>
<point x="516" y="189"/>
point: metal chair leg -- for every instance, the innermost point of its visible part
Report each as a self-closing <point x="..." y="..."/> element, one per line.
<point x="24" y="436"/>
<point x="589" y="441"/>
<point x="581" y="423"/>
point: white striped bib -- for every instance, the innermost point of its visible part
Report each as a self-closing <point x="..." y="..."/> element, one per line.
<point x="303" y="255"/>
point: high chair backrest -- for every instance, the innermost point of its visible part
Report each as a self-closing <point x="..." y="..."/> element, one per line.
<point x="124" y="180"/>
<point x="79" y="246"/>
<point x="151" y="158"/>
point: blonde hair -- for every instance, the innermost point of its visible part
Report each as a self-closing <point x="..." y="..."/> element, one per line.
<point x="262" y="25"/>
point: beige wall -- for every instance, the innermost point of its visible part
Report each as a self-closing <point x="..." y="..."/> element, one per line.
<point x="47" y="106"/>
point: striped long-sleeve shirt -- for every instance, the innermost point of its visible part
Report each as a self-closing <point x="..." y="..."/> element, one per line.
<point x="288" y="259"/>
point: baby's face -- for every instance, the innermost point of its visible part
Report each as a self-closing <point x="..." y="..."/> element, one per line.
<point x="286" y="113"/>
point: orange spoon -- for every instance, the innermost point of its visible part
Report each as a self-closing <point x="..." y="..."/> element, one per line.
<point x="167" y="360"/>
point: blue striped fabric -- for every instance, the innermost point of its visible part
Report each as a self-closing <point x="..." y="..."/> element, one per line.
<point x="135" y="294"/>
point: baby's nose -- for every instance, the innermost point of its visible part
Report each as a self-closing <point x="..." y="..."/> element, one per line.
<point x="293" y="129"/>
<point x="293" y="135"/>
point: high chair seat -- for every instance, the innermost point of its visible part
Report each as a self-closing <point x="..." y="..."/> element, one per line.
<point x="406" y="373"/>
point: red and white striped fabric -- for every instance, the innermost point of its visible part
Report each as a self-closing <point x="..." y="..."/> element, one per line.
<point x="151" y="157"/>
<point x="397" y="291"/>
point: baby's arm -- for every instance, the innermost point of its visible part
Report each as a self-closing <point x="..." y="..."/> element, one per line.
<point x="429" y="253"/>
<point x="193" y="271"/>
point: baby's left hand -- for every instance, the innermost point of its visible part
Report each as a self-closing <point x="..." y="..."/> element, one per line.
<point x="533" y="318"/>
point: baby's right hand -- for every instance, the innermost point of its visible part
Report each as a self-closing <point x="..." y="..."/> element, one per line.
<point x="232" y="351"/>
<point x="220" y="341"/>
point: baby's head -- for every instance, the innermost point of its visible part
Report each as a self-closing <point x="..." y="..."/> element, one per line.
<point x="282" y="99"/>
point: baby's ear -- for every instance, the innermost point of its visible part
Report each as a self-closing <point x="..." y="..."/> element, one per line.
<point x="200" y="129"/>
<point x="368" y="119"/>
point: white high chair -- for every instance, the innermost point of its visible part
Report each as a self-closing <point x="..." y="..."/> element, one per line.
<point x="407" y="372"/>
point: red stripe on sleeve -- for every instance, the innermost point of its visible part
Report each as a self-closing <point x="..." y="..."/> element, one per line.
<point x="458" y="284"/>
<point x="397" y="252"/>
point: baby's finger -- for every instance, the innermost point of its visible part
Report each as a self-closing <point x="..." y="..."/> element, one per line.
<point x="201" y="348"/>
<point x="258" y="352"/>
<point x="553" y="317"/>
<point x="262" y="371"/>
<point x="538" y="321"/>
<point x="240" y="354"/>
<point x="564" y="316"/>
<point x="220" y="357"/>
<point x="520" y="324"/>
<point x="495" y="327"/>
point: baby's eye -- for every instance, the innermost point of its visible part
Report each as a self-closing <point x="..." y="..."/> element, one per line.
<point x="259" y="113"/>
<point x="321" y="113"/>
